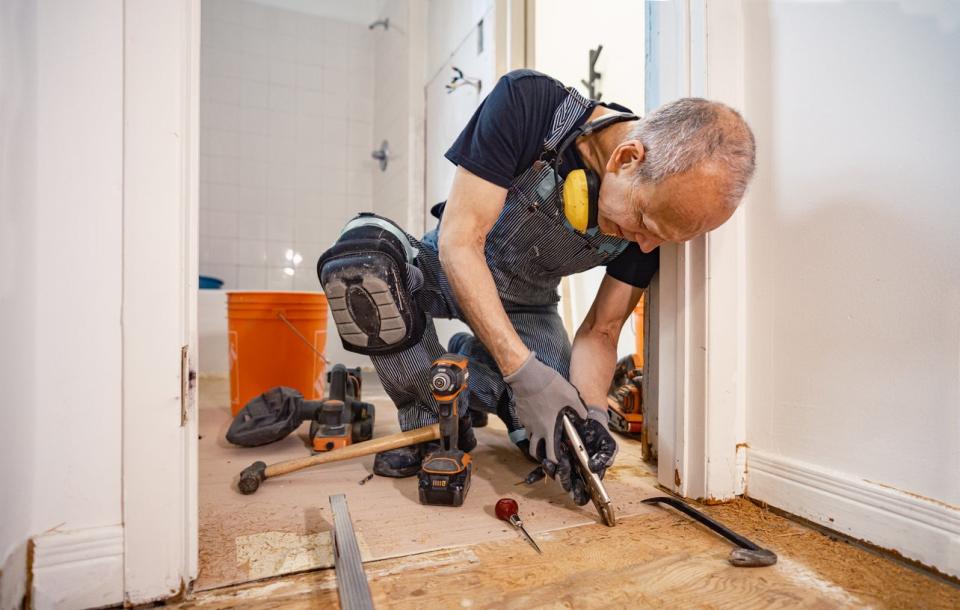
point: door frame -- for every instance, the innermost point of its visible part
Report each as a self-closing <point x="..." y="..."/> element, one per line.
<point x="160" y="267"/>
<point x="694" y="48"/>
<point x="697" y="367"/>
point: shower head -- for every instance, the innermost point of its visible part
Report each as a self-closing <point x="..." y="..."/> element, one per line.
<point x="384" y="22"/>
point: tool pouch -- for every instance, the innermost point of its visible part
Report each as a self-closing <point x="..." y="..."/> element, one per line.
<point x="267" y="418"/>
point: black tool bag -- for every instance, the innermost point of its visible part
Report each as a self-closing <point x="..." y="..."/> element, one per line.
<point x="267" y="418"/>
<point x="273" y="415"/>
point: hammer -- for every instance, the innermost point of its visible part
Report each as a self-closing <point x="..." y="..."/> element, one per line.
<point x="255" y="473"/>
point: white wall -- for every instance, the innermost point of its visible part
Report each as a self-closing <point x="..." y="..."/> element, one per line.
<point x="79" y="257"/>
<point x="399" y="64"/>
<point x="391" y="108"/>
<point x="18" y="288"/>
<point x="621" y="60"/>
<point x="287" y="131"/>
<point x="450" y="24"/>
<point x="358" y="11"/>
<point x="453" y="41"/>
<point x="853" y="270"/>
<point x="621" y="65"/>
<point x="60" y="292"/>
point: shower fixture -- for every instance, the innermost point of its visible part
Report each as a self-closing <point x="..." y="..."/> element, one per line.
<point x="382" y="155"/>
<point x="459" y="80"/>
<point x="593" y="76"/>
<point x="384" y="22"/>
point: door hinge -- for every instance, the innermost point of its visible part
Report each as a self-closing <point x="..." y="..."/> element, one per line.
<point x="184" y="383"/>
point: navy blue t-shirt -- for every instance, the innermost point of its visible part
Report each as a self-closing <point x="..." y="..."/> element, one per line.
<point x="505" y="136"/>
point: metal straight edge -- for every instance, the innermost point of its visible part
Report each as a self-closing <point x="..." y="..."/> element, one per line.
<point x="352" y="586"/>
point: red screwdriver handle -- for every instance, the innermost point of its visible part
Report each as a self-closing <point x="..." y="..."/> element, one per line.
<point x="506" y="508"/>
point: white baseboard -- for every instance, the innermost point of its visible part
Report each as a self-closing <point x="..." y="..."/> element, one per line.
<point x="78" y="568"/>
<point x="924" y="530"/>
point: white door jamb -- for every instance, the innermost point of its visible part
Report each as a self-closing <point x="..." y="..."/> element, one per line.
<point x="699" y="360"/>
<point x="160" y="195"/>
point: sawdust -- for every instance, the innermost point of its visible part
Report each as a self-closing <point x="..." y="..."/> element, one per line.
<point x="876" y="580"/>
<point x="624" y="472"/>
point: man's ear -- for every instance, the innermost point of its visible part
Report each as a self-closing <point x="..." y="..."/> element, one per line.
<point x="627" y="156"/>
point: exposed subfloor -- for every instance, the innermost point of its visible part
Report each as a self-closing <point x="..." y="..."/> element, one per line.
<point x="284" y="527"/>
<point x="465" y="558"/>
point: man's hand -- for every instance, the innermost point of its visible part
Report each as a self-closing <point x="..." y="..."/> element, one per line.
<point x="542" y="396"/>
<point x="539" y="393"/>
<point x="600" y="446"/>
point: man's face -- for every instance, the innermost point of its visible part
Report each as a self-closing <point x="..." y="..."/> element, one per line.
<point x="677" y="209"/>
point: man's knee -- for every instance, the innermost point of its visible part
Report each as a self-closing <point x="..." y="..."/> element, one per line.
<point x="369" y="280"/>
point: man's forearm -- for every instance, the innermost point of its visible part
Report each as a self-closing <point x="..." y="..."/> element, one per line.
<point x="592" y="362"/>
<point x="477" y="298"/>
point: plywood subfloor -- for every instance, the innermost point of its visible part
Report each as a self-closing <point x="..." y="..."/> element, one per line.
<point x="284" y="527"/>
<point x="657" y="560"/>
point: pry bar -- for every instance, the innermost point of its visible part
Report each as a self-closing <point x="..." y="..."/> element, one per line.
<point x="746" y="555"/>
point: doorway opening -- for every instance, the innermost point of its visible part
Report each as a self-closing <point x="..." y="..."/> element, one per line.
<point x="307" y="119"/>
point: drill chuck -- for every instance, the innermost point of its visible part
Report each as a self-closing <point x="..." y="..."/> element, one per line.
<point x="442" y="381"/>
<point x="448" y="377"/>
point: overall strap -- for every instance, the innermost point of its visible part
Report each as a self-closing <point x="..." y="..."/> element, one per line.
<point x="565" y="118"/>
<point x="591" y="127"/>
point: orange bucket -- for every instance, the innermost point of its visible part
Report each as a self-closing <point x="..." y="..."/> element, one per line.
<point x="276" y="338"/>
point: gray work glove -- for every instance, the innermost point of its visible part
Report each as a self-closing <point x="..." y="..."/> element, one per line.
<point x="600" y="446"/>
<point x="539" y="393"/>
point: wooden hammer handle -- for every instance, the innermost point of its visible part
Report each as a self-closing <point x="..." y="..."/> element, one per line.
<point x="384" y="443"/>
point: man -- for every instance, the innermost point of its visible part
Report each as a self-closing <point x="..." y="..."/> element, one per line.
<point x="503" y="244"/>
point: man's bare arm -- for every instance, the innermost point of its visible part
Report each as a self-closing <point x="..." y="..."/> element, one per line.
<point x="595" y="344"/>
<point x="471" y="211"/>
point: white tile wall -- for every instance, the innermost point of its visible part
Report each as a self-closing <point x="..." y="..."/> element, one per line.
<point x="391" y="113"/>
<point x="287" y="127"/>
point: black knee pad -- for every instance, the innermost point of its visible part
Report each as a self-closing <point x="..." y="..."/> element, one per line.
<point x="366" y="277"/>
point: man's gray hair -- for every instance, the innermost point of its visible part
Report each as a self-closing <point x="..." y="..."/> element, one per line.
<point x="681" y="135"/>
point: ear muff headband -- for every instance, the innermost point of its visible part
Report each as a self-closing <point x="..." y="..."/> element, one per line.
<point x="580" y="195"/>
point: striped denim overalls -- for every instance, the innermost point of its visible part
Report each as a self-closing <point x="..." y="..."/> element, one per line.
<point x="528" y="250"/>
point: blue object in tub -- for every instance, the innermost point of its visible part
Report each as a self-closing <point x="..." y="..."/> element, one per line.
<point x="210" y="283"/>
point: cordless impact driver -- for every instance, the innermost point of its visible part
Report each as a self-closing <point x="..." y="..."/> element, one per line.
<point x="445" y="473"/>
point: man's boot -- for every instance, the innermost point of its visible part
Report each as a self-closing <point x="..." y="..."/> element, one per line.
<point x="405" y="461"/>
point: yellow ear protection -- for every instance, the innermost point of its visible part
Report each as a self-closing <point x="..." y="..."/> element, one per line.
<point x="580" y="195"/>
<point x="581" y="198"/>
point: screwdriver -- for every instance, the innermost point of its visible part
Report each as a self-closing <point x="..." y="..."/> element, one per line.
<point x="506" y="510"/>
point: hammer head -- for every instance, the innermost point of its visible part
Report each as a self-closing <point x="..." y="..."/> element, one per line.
<point x="251" y="477"/>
